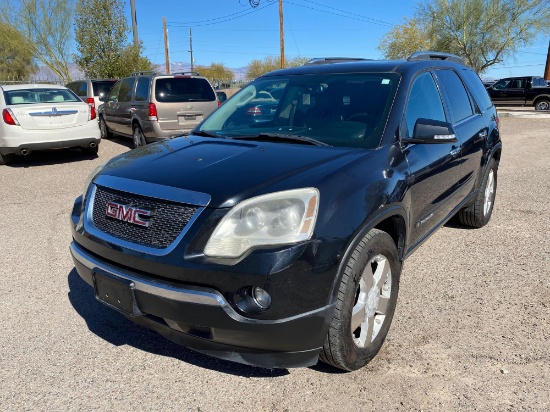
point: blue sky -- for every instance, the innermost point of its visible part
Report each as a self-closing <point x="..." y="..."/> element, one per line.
<point x="233" y="33"/>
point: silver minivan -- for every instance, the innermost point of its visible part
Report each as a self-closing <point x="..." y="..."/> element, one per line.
<point x="150" y="107"/>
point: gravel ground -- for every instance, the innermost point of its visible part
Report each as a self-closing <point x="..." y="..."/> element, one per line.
<point x="471" y="331"/>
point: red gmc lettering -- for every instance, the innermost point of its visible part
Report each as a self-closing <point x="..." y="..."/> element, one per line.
<point x="127" y="214"/>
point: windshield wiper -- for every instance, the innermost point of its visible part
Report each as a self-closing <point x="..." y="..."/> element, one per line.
<point x="281" y="136"/>
<point x="208" y="133"/>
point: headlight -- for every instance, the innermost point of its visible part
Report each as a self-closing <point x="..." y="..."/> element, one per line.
<point x="91" y="177"/>
<point x="269" y="220"/>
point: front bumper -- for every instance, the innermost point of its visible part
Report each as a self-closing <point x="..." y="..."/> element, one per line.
<point x="201" y="319"/>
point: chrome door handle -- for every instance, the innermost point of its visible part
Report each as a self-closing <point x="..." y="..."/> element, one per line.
<point x="455" y="152"/>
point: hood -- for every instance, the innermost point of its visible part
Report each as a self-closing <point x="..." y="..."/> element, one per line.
<point x="230" y="170"/>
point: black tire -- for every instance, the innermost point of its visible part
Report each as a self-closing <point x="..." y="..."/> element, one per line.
<point x="8" y="158"/>
<point x="105" y="132"/>
<point x="479" y="214"/>
<point x="542" y="104"/>
<point x="138" y="137"/>
<point x="349" y="350"/>
<point x="92" y="151"/>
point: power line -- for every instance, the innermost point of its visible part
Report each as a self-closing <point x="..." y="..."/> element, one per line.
<point x="219" y="20"/>
<point x="363" y="19"/>
<point x="353" y="14"/>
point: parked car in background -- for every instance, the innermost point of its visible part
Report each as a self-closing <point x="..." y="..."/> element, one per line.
<point x="521" y="91"/>
<point x="279" y="242"/>
<point x="92" y="90"/>
<point x="149" y="107"/>
<point x="44" y="116"/>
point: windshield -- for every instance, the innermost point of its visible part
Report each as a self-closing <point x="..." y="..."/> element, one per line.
<point x="39" y="95"/>
<point x="347" y="110"/>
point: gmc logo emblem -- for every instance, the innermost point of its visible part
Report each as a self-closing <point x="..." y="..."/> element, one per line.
<point x="128" y="214"/>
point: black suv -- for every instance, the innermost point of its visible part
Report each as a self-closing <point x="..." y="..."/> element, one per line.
<point x="149" y="107"/>
<point x="279" y="241"/>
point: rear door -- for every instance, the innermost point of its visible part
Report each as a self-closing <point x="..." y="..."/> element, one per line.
<point x="183" y="101"/>
<point x="470" y="127"/>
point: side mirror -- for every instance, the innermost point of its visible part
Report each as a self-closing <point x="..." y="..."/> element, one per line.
<point x="427" y="131"/>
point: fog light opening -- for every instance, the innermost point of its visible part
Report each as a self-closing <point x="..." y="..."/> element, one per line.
<point x="261" y="298"/>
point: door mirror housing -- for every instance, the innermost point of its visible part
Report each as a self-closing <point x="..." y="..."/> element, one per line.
<point x="427" y="131"/>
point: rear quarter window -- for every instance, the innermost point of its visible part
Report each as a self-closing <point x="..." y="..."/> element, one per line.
<point x="183" y="89"/>
<point x="475" y="85"/>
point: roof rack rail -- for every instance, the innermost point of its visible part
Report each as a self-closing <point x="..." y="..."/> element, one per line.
<point x="143" y="73"/>
<point x="187" y="73"/>
<point x="329" y="60"/>
<point x="433" y="55"/>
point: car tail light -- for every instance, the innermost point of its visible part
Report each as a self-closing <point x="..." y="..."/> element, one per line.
<point x="9" y="117"/>
<point x="152" y="110"/>
<point x="254" y="110"/>
<point x="91" y="101"/>
<point x="219" y="103"/>
<point x="92" y="114"/>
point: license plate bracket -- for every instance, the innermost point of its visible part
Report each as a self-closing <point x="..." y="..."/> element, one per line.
<point x="116" y="292"/>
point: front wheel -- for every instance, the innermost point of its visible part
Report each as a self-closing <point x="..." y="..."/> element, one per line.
<point x="138" y="137"/>
<point x="105" y="132"/>
<point x="542" y="104"/>
<point x="365" y="305"/>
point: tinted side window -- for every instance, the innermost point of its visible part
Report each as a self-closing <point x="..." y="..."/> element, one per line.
<point x="125" y="93"/>
<point x="424" y="102"/>
<point x="113" y="95"/>
<point x="461" y="107"/>
<point x="142" y="89"/>
<point x="501" y="84"/>
<point x="477" y="89"/>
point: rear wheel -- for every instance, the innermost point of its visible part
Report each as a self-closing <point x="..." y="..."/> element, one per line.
<point x="542" y="104"/>
<point x="139" y="138"/>
<point x="8" y="158"/>
<point x="366" y="303"/>
<point x="479" y="214"/>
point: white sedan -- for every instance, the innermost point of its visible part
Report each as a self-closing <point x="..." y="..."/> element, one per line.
<point x="44" y="116"/>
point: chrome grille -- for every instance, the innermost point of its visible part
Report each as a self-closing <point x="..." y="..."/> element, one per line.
<point x="167" y="220"/>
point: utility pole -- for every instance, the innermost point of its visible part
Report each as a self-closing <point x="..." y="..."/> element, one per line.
<point x="191" y="46"/>
<point x="282" y="34"/>
<point x="134" y="21"/>
<point x="547" y="69"/>
<point x="166" y="53"/>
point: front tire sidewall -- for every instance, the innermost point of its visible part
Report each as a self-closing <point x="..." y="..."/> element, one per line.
<point x="346" y="354"/>
<point x="138" y="137"/>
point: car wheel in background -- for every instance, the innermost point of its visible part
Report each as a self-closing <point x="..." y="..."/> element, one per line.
<point x="139" y="138"/>
<point x="542" y="104"/>
<point x="8" y="158"/>
<point x="91" y="150"/>
<point x="365" y="303"/>
<point x="105" y="133"/>
<point x="479" y="214"/>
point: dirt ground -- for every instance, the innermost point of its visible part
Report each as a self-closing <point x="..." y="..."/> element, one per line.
<point x="471" y="331"/>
